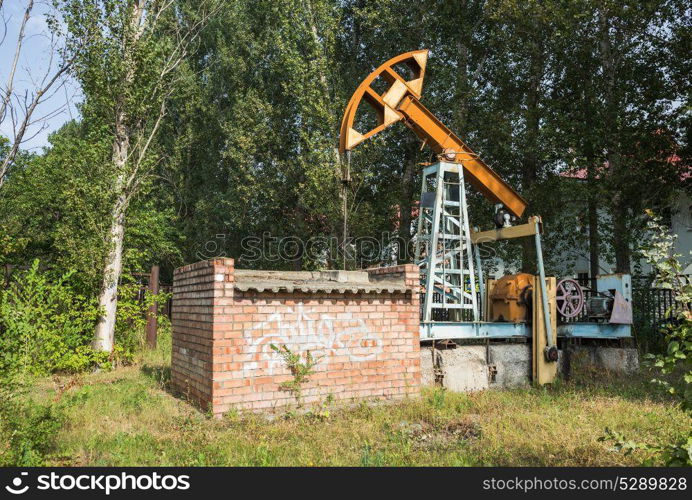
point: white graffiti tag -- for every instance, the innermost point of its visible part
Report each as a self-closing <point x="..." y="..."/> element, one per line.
<point x="301" y="330"/>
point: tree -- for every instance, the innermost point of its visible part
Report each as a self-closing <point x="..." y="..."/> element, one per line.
<point x="53" y="208"/>
<point x="264" y="160"/>
<point x="128" y="71"/>
<point x="616" y="119"/>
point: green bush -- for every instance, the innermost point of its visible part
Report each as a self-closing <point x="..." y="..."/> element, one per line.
<point x="45" y="326"/>
<point x="131" y="318"/>
<point x="27" y="429"/>
<point x="674" y="366"/>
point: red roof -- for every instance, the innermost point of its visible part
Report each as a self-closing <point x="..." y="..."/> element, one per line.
<point x="582" y="173"/>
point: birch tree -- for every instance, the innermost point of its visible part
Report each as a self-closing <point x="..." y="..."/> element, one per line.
<point x="128" y="71"/>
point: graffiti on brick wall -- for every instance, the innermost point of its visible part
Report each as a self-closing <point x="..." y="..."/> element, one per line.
<point x="301" y="330"/>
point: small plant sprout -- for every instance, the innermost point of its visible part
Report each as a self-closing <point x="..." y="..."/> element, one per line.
<point x="300" y="367"/>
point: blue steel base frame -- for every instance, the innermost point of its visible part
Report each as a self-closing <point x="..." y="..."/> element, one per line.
<point x="594" y="330"/>
<point x="479" y="330"/>
<point x="472" y="330"/>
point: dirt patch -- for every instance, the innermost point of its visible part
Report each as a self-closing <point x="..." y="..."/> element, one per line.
<point x="426" y="434"/>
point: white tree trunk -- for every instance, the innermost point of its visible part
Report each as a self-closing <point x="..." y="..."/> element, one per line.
<point x="104" y="335"/>
<point x="108" y="299"/>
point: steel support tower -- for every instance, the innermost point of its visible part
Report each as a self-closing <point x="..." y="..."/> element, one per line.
<point x="443" y="249"/>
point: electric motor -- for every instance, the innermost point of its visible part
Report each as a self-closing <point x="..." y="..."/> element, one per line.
<point x="599" y="307"/>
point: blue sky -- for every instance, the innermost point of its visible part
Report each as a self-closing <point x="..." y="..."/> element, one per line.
<point x="32" y="66"/>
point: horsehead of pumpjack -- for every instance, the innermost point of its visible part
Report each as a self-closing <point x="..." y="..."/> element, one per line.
<point x="402" y="79"/>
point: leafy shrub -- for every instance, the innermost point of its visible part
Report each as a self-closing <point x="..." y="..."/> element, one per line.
<point x="131" y="318"/>
<point x="45" y="326"/>
<point x="675" y="364"/>
<point x="676" y="454"/>
<point x="301" y="370"/>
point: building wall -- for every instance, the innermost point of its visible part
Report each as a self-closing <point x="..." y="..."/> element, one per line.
<point x="682" y="227"/>
<point x="367" y="344"/>
<point x="195" y="290"/>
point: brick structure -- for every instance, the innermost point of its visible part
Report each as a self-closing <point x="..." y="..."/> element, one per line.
<point x="363" y="326"/>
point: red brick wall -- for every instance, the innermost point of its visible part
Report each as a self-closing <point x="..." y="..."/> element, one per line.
<point x="198" y="290"/>
<point x="368" y="344"/>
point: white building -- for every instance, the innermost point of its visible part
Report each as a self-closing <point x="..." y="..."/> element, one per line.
<point x="681" y="227"/>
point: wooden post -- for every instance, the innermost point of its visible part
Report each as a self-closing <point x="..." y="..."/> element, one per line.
<point x="152" y="321"/>
<point x="544" y="371"/>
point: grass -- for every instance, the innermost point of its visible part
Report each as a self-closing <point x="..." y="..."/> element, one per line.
<point x="127" y="417"/>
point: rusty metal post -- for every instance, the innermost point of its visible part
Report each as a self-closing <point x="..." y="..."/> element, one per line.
<point x="152" y="321"/>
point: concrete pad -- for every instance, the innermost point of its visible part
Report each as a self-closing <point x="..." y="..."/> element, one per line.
<point x="464" y="369"/>
<point x="623" y="360"/>
<point x="317" y="281"/>
<point x="512" y="363"/>
<point x="343" y="276"/>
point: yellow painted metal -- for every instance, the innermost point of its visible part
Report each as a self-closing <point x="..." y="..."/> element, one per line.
<point x="384" y="105"/>
<point x="544" y="371"/>
<point x="509" y="298"/>
<point x="506" y="233"/>
<point x="487" y="301"/>
<point x="400" y="101"/>
<point x="445" y="143"/>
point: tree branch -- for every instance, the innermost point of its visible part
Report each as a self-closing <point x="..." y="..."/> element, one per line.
<point x="18" y="49"/>
<point x="26" y="121"/>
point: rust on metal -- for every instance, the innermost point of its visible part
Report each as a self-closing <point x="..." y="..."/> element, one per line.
<point x="152" y="313"/>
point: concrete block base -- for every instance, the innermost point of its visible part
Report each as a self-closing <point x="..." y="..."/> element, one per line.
<point x="476" y="367"/>
<point x="618" y="360"/>
<point x="464" y="369"/>
<point x="510" y="365"/>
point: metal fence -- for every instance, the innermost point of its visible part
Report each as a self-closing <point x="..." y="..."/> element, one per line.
<point x="654" y="304"/>
<point x="652" y="309"/>
<point x="163" y="288"/>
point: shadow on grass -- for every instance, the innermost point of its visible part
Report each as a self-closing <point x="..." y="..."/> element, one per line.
<point x="161" y="374"/>
<point x="635" y="387"/>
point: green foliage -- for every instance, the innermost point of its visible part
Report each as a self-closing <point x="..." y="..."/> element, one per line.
<point x="523" y="82"/>
<point x="28" y="430"/>
<point x="676" y="361"/>
<point x="436" y="399"/>
<point x="252" y="117"/>
<point x="45" y="326"/>
<point x="131" y="319"/>
<point x="54" y="207"/>
<point x="676" y="454"/>
<point x="300" y="368"/>
<point x="675" y="364"/>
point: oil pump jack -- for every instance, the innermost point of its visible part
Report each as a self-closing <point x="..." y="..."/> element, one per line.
<point x="457" y="302"/>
